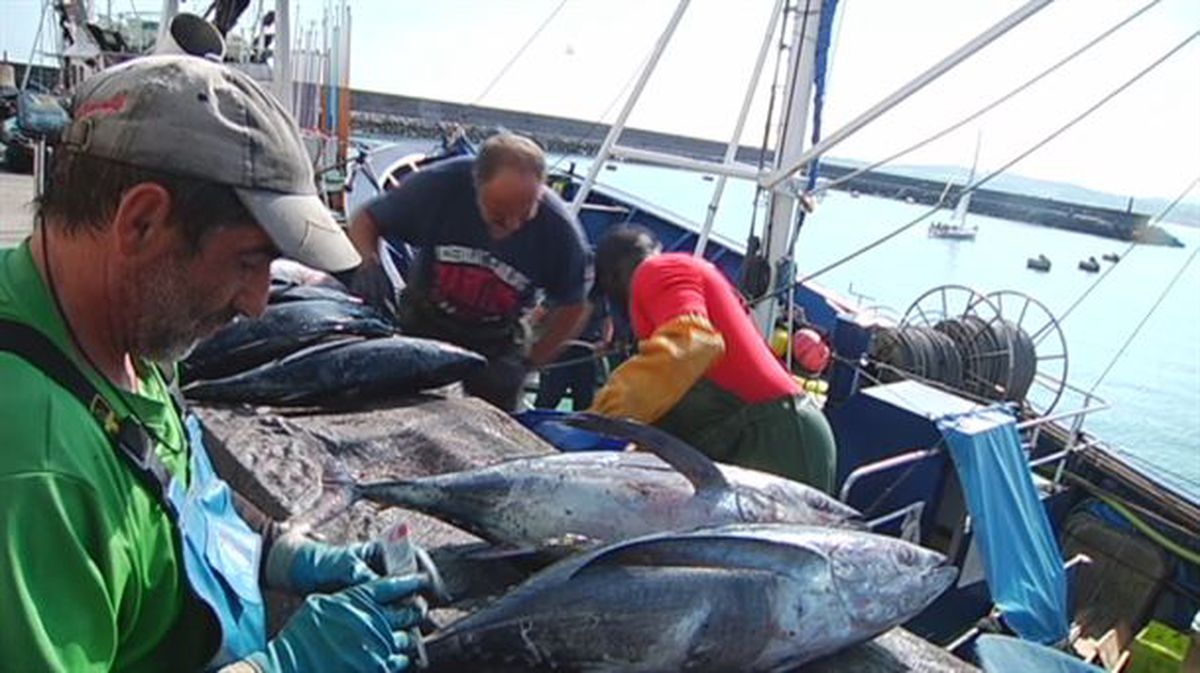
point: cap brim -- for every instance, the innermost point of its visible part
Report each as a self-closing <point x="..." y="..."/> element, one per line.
<point x="302" y="228"/>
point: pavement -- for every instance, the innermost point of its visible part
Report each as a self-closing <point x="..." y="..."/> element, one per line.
<point x="16" y="209"/>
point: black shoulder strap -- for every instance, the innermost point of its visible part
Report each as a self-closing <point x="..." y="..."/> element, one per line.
<point x="130" y="439"/>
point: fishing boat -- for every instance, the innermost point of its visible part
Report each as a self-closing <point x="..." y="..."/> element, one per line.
<point x="1111" y="257"/>
<point x="956" y="228"/>
<point x="963" y="375"/>
<point x="1089" y="265"/>
<point x="1039" y="263"/>
<point x="1076" y="547"/>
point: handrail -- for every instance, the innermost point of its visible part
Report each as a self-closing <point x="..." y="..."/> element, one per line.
<point x="883" y="466"/>
<point x="1043" y="420"/>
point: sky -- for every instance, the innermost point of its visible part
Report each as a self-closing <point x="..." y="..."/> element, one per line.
<point x="1145" y="142"/>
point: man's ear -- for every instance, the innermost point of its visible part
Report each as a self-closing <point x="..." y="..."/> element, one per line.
<point x="142" y="222"/>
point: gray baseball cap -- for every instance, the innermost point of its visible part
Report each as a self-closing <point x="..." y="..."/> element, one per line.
<point x="192" y="117"/>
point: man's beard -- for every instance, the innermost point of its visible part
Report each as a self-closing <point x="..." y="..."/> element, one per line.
<point x="171" y="317"/>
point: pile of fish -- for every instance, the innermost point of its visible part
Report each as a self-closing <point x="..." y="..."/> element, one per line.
<point x="673" y="562"/>
<point x="317" y="344"/>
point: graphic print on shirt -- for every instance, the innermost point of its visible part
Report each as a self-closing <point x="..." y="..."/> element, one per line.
<point x="474" y="284"/>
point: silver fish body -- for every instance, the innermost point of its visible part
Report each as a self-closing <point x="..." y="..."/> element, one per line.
<point x="602" y="496"/>
<point x="755" y="598"/>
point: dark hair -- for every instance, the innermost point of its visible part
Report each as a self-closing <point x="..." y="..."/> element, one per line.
<point x="509" y="150"/>
<point x="84" y="192"/>
<point x="618" y="254"/>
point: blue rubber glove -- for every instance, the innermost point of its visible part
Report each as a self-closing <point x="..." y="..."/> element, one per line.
<point x="301" y="565"/>
<point x="359" y="629"/>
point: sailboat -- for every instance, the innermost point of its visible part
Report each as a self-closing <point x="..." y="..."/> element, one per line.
<point x="957" y="228"/>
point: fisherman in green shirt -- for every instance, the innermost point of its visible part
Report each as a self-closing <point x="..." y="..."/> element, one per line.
<point x="176" y="184"/>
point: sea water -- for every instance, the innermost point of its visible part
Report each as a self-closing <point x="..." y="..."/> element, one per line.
<point x="1153" y="387"/>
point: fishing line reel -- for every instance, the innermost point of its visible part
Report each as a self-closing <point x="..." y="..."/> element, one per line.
<point x="1001" y="346"/>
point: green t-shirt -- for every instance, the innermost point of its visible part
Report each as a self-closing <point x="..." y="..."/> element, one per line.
<point x="89" y="575"/>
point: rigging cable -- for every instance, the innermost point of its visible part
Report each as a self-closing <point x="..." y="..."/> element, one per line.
<point x="519" y="52"/>
<point x="1145" y="319"/>
<point x="595" y="133"/>
<point x="989" y="107"/>
<point x="1157" y="218"/>
<point x="1009" y="164"/>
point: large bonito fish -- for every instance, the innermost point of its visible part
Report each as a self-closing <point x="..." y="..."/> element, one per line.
<point x="750" y="598"/>
<point x="591" y="497"/>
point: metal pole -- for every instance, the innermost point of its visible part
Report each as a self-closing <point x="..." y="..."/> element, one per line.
<point x="619" y="125"/>
<point x="736" y="140"/>
<point x="169" y="9"/>
<point x="797" y="96"/>
<point x="979" y="42"/>
<point x="33" y="50"/>
<point x="282" y="75"/>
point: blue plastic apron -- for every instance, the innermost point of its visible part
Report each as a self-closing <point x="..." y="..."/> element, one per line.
<point x="220" y="553"/>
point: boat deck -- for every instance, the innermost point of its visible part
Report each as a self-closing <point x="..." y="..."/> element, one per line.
<point x="16" y="214"/>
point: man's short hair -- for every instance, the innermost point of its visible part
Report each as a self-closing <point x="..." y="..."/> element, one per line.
<point x="84" y="192"/>
<point x="509" y="151"/>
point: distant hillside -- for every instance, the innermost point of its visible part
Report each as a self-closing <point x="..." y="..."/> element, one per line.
<point x="1186" y="212"/>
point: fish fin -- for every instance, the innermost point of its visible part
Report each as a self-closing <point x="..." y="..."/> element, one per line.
<point x="697" y="467"/>
<point x="339" y="488"/>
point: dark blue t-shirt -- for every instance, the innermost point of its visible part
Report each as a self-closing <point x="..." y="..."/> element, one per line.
<point x="461" y="268"/>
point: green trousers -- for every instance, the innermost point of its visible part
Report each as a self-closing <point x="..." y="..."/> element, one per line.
<point x="787" y="436"/>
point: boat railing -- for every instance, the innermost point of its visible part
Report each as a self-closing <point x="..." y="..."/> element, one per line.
<point x="1076" y="439"/>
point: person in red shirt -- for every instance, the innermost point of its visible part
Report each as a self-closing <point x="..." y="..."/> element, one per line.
<point x="703" y="372"/>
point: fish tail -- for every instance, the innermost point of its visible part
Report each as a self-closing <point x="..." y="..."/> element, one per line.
<point x="339" y="492"/>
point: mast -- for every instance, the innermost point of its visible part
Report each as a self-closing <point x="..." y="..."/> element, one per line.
<point x="790" y="146"/>
<point x="282" y="72"/>
<point x="964" y="202"/>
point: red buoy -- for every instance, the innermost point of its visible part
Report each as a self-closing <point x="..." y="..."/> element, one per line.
<point x="809" y="351"/>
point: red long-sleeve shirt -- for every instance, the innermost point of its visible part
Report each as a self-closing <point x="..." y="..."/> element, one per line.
<point x="667" y="286"/>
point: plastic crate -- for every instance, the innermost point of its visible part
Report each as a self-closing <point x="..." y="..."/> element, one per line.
<point x="1158" y="648"/>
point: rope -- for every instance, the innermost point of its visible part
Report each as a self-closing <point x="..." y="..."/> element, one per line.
<point x="1157" y="218"/>
<point x="1009" y="164"/>
<point x="517" y="55"/>
<point x="595" y="133"/>
<point x="990" y="106"/>
<point x="1145" y="319"/>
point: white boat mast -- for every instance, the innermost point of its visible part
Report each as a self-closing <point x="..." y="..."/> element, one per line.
<point x="282" y="70"/>
<point x="781" y="213"/>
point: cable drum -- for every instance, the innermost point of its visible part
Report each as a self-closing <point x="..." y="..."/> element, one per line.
<point x="919" y="351"/>
<point x="955" y="336"/>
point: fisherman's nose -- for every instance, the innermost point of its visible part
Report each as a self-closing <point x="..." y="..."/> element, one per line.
<point x="251" y="301"/>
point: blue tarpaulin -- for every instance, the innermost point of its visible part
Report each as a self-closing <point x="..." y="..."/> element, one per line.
<point x="1022" y="560"/>
<point x="1001" y="654"/>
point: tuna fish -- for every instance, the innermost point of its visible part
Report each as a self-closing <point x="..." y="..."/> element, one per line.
<point x="349" y="370"/>
<point x="283" y="293"/>
<point x="753" y="598"/>
<point x="280" y="330"/>
<point x="590" y="497"/>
